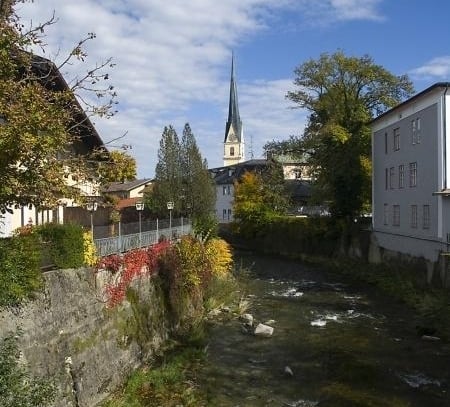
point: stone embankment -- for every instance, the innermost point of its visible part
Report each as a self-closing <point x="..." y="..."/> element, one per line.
<point x="70" y="335"/>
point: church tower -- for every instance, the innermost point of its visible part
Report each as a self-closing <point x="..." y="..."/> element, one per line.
<point x="233" y="144"/>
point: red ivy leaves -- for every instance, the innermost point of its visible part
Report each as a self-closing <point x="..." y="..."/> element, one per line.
<point x="112" y="263"/>
<point x="132" y="264"/>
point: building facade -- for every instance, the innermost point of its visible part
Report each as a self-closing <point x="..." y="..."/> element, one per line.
<point x="233" y="144"/>
<point x="411" y="175"/>
<point x="224" y="179"/>
<point x="87" y="140"/>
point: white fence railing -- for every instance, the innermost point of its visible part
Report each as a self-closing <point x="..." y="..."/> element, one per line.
<point x="124" y="243"/>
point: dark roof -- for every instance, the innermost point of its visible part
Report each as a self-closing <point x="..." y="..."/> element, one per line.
<point x="230" y="173"/>
<point x="298" y="189"/>
<point x="50" y="77"/>
<point x="411" y="99"/>
<point x="233" y="108"/>
<point x="126" y="186"/>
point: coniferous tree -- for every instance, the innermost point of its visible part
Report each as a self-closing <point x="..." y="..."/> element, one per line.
<point x="168" y="186"/>
<point x="181" y="177"/>
<point x="198" y="189"/>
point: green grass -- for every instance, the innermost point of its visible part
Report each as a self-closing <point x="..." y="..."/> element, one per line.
<point x="169" y="383"/>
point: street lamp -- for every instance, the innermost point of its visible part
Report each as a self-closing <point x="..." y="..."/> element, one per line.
<point x="92" y="207"/>
<point x="140" y="208"/>
<point x="170" y="207"/>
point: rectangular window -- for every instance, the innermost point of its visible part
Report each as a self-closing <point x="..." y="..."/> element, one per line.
<point x="224" y="216"/>
<point x="229" y="214"/>
<point x="392" y="177"/>
<point x="414" y="216"/>
<point x="386" y="180"/>
<point x="396" y="215"/>
<point x="386" y="214"/>
<point x="412" y="174"/>
<point x="224" y="190"/>
<point x="385" y="143"/>
<point x="401" y="176"/>
<point x="229" y="190"/>
<point x="426" y="217"/>
<point x="397" y="139"/>
<point x="415" y="131"/>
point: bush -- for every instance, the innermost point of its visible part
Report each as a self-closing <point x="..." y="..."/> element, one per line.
<point x="20" y="266"/>
<point x="219" y="255"/>
<point x="66" y="244"/>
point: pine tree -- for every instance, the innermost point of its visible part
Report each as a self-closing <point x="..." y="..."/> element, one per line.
<point x="168" y="185"/>
<point x="181" y="177"/>
<point x="198" y="189"/>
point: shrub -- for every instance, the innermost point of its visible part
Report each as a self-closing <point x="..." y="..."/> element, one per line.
<point x="219" y="256"/>
<point x="89" y="250"/>
<point x="66" y="244"/>
<point x="20" y="266"/>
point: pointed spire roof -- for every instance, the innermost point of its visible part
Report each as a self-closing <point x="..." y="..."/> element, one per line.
<point x="233" y="108"/>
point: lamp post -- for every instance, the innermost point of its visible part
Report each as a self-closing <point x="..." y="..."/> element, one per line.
<point x="92" y="207"/>
<point x="140" y="208"/>
<point x="170" y="207"/>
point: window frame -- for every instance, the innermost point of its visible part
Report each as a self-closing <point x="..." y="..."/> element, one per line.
<point x="426" y="216"/>
<point x="413" y="174"/>
<point x="401" y="176"/>
<point x="396" y="138"/>
<point x="395" y="215"/>
<point x="414" y="216"/>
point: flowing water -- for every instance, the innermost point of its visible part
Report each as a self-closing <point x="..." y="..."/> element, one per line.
<point x="332" y="345"/>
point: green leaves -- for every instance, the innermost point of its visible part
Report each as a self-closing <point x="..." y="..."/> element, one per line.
<point x="343" y="94"/>
<point x="181" y="177"/>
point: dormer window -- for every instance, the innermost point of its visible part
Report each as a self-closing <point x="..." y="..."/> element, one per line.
<point x="232" y="151"/>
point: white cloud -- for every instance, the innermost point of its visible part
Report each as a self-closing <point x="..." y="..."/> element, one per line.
<point x="270" y="116"/>
<point x="436" y="68"/>
<point x="356" y="9"/>
<point x="171" y="58"/>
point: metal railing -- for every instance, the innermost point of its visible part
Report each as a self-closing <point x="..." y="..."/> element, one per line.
<point x="125" y="242"/>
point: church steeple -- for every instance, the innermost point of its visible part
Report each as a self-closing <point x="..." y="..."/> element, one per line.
<point x="234" y="135"/>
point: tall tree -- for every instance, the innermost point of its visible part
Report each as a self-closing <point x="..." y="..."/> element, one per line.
<point x="198" y="188"/>
<point x="181" y="177"/>
<point x="342" y="95"/>
<point x="40" y="126"/>
<point x="168" y="183"/>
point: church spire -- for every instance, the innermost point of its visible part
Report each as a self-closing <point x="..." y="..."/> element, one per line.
<point x="234" y="137"/>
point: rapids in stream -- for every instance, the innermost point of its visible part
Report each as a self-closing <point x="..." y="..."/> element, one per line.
<point x="333" y="345"/>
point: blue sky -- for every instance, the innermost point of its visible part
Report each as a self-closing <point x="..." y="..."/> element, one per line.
<point x="173" y="59"/>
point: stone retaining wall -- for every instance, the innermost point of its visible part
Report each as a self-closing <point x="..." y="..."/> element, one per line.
<point x="69" y="335"/>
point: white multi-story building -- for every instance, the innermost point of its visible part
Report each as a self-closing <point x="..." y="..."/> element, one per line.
<point x="411" y="175"/>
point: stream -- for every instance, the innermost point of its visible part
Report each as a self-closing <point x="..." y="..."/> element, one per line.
<point x="333" y="345"/>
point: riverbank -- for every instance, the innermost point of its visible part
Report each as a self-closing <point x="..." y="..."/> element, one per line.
<point x="336" y="343"/>
<point x="404" y="281"/>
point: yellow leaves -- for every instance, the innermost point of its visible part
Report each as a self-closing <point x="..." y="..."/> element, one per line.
<point x="90" y="251"/>
<point x="219" y="255"/>
<point x="197" y="260"/>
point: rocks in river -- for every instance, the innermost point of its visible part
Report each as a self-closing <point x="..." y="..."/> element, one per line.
<point x="247" y="319"/>
<point x="214" y="312"/>
<point x="263" y="330"/>
<point x="430" y="338"/>
<point x="288" y="371"/>
<point x="318" y="322"/>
